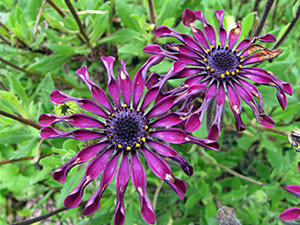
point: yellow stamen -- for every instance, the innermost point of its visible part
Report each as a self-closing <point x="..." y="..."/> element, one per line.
<point x="208" y="67"/>
<point x="138" y="110"/>
<point x="233" y="73"/>
<point x="112" y="115"/>
<point x="114" y="143"/>
<point x="119" y="146"/>
<point x="212" y="46"/>
<point x="146" y="127"/>
<point x="125" y="105"/>
<point x="137" y="82"/>
<point x="236" y="50"/>
<point x="212" y="70"/>
<point x="143" y="139"/>
<point x="205" y="60"/>
<point x="240" y="66"/>
<point x="222" y="75"/>
<point x="227" y="46"/>
<point x="131" y="108"/>
<point x="112" y="126"/>
<point x="237" y="71"/>
<point x="208" y="50"/>
<point x="227" y="73"/>
<point x="241" y="56"/>
<point x="128" y="148"/>
<point x="219" y="44"/>
<point x="137" y="145"/>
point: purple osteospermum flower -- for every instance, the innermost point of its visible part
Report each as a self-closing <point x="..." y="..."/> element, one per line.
<point x="221" y="68"/>
<point x="128" y="129"/>
<point x="292" y="213"/>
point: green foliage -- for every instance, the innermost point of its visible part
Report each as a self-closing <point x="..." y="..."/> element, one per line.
<point x="44" y="55"/>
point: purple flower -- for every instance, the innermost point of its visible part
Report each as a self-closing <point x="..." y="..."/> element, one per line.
<point x="128" y="129"/>
<point x="292" y="213"/>
<point x="220" y="69"/>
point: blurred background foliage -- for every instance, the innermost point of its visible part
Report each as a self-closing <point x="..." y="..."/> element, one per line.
<point x="42" y="46"/>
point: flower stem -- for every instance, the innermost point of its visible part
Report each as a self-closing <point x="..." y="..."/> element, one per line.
<point x="232" y="172"/>
<point x="157" y="193"/>
<point x="70" y="6"/>
<point x="39" y="218"/>
<point x="6" y="161"/>
<point x="290" y="27"/>
<point x="21" y="119"/>
<point x="282" y="132"/>
<point x="151" y="10"/>
<point x="255" y="5"/>
<point x="56" y="8"/>
<point x="264" y="17"/>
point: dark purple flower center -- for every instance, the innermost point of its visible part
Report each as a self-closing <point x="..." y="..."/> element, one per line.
<point x="222" y="62"/>
<point x="127" y="129"/>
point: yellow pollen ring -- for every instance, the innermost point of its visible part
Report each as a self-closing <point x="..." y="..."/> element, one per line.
<point x="208" y="67"/>
<point x="114" y="143"/>
<point x="227" y="46"/>
<point x="128" y="148"/>
<point x="212" y="47"/>
<point x="212" y="70"/>
<point x="131" y="108"/>
<point x="112" y="126"/>
<point x="125" y="105"/>
<point x="208" y="50"/>
<point x="222" y="75"/>
<point x="237" y="71"/>
<point x="236" y="50"/>
<point x="143" y="139"/>
<point x="119" y="146"/>
<point x="138" y="110"/>
<point x="109" y="137"/>
<point x="227" y="73"/>
<point x="205" y="60"/>
<point x="219" y="44"/>
<point x="105" y="124"/>
<point x="146" y="127"/>
<point x="112" y="115"/>
<point x="138" y="82"/>
<point x="232" y="73"/>
<point x="241" y="56"/>
<point x="137" y="145"/>
<point x="240" y="66"/>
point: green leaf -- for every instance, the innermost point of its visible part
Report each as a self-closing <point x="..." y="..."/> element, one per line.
<point x="124" y="11"/>
<point x="14" y="101"/>
<point x="247" y="24"/>
<point x="62" y="49"/>
<point x="18" y="90"/>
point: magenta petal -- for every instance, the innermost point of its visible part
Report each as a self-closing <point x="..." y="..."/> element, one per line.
<point x="162" y="170"/>
<point x="167" y="151"/>
<point x="193" y="123"/>
<point x="138" y="178"/>
<point x="140" y="76"/>
<point x="78" y="120"/>
<point x="199" y="35"/>
<point x="74" y="198"/>
<point x="161" y="107"/>
<point x="83" y="155"/>
<point x="294" y="189"/>
<point x="171" y="135"/>
<point x="243" y="44"/>
<point x="80" y="134"/>
<point x="113" y="86"/>
<point x="125" y="83"/>
<point x="188" y="17"/>
<point x="205" y="143"/>
<point x="121" y="184"/>
<point x="234" y="35"/>
<point x="290" y="214"/>
<point x="153" y="49"/>
<point x="97" y="92"/>
<point x="108" y="174"/>
<point x="208" y="29"/>
<point x="222" y="32"/>
<point x="267" y="38"/>
<point x="168" y="120"/>
<point x="58" y="97"/>
<point x="150" y="96"/>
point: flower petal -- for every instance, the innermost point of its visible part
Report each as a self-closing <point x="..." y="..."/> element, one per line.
<point x="262" y="56"/>
<point x="290" y="214"/>
<point x="97" y="92"/>
<point x="222" y="32"/>
<point x="294" y="189"/>
<point x="162" y="106"/>
<point x="171" y="135"/>
<point x="80" y="134"/>
<point x="167" y="120"/>
<point x="83" y="155"/>
<point x="121" y="184"/>
<point x="167" y="151"/>
<point x="108" y="174"/>
<point x="162" y="170"/>
<point x="138" y="178"/>
<point x="140" y="76"/>
<point x="93" y="170"/>
<point x="58" y="97"/>
<point x="188" y="17"/>
<point x="234" y="35"/>
<point x="205" y="143"/>
<point x="77" y="119"/>
<point x="125" y="83"/>
<point x="113" y="86"/>
<point x="208" y="29"/>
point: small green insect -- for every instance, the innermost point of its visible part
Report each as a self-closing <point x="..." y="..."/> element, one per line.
<point x="67" y="108"/>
